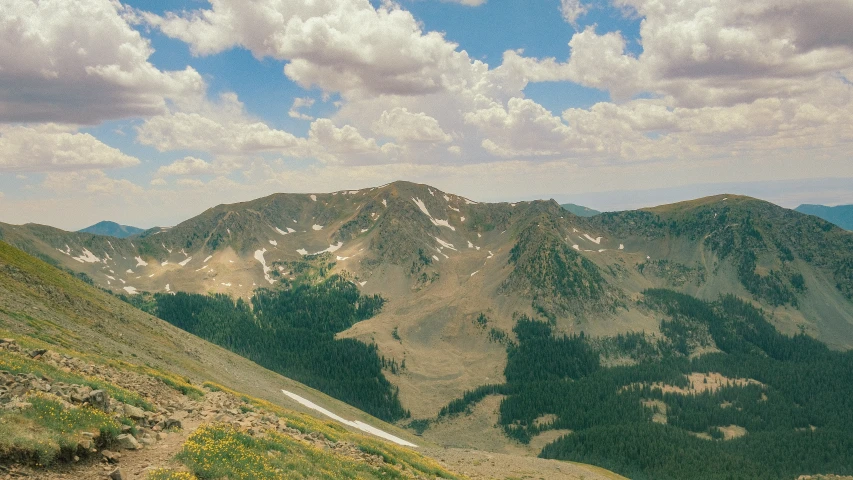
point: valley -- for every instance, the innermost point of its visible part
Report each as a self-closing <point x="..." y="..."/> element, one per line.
<point x="519" y="329"/>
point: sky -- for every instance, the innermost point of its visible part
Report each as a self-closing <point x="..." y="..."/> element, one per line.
<point x="148" y="112"/>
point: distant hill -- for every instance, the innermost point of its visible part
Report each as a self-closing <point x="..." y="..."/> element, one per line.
<point x="112" y="229"/>
<point x="841" y="215"/>
<point x="580" y="210"/>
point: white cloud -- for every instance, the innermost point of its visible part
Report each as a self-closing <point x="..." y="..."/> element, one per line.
<point x="405" y="126"/>
<point x="222" y="127"/>
<point x="572" y="10"/>
<point x="159" y="182"/>
<point x="91" y="182"/>
<point x="345" y="46"/>
<point x="298" y="104"/>
<point x="469" y="3"/>
<point x="78" y="61"/>
<point x="186" y="166"/>
<point x="190" y="183"/>
<point x="345" y="140"/>
<point x="51" y="147"/>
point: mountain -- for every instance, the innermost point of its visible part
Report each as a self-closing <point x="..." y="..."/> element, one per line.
<point x="76" y="345"/>
<point x="464" y="286"/>
<point x="112" y="229"/>
<point x="842" y="215"/>
<point x="580" y="210"/>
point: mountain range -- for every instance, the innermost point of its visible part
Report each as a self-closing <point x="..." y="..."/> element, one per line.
<point x="458" y="302"/>
<point x="841" y="215"/>
<point x="112" y="229"/>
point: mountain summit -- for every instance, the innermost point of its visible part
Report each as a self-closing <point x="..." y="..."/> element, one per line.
<point x="112" y="229"/>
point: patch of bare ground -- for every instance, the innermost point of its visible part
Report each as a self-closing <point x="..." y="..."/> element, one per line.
<point x="703" y="382"/>
<point x="477" y="430"/>
<point x="479" y="465"/>
<point x="538" y="442"/>
<point x="659" y="407"/>
<point x="824" y="477"/>
<point x="732" y="431"/>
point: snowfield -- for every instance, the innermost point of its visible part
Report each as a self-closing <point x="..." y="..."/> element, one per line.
<point x="354" y="424"/>
<point x="438" y="223"/>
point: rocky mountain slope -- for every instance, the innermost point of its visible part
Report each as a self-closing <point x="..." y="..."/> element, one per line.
<point x="441" y="261"/>
<point x="94" y="388"/>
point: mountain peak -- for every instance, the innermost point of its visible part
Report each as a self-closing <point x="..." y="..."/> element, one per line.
<point x="111" y="229"/>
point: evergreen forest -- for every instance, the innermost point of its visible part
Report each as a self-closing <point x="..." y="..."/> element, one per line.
<point x="791" y="397"/>
<point x="292" y="332"/>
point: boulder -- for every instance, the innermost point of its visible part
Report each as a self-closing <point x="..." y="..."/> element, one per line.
<point x="116" y="474"/>
<point x="110" y="456"/>
<point x="135" y="413"/>
<point x="99" y="399"/>
<point x="127" y="442"/>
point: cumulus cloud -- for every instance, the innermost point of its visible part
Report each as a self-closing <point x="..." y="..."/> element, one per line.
<point x="91" y="182"/>
<point x="78" y="61"/>
<point x="298" y="104"/>
<point x="223" y="127"/>
<point x="345" y="46"/>
<point x="186" y="166"/>
<point x="405" y="126"/>
<point x="572" y="10"/>
<point x="52" y="147"/>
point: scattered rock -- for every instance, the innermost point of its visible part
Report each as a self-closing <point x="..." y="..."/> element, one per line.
<point x="116" y="474"/>
<point x="127" y="442"/>
<point x="99" y="399"/>
<point x="110" y="456"/>
<point x="135" y="413"/>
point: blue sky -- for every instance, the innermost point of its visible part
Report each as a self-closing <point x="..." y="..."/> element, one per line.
<point x="149" y="112"/>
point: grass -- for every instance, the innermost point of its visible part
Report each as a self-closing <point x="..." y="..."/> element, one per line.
<point x="221" y="451"/>
<point x="46" y="431"/>
<point x="402" y="458"/>
<point x="14" y="363"/>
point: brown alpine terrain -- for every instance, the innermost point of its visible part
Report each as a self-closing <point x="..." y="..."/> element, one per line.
<point x="441" y="260"/>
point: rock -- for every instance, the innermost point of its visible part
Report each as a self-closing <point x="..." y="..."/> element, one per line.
<point x="135" y="413"/>
<point x="172" y="423"/>
<point x="110" y="456"/>
<point x="38" y="352"/>
<point x="116" y="474"/>
<point x="162" y="435"/>
<point x="99" y="399"/>
<point x="127" y="442"/>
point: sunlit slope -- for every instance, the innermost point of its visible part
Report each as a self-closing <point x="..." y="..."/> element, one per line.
<point x="41" y="302"/>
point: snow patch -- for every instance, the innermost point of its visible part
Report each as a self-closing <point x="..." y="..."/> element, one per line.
<point x="341" y="259"/>
<point x="129" y="271"/>
<point x="111" y="278"/>
<point x="576" y="247"/>
<point x="445" y="244"/>
<point x="385" y="202"/>
<point x="273" y="243"/>
<point x="302" y="251"/>
<point x="130" y="290"/>
<point x="439" y="223"/>
<point x="317" y="227"/>
<point x="87" y="257"/>
<point x="469" y="202"/>
<point x="280" y="231"/>
<point x="314" y="198"/>
<point x="259" y="256"/>
<point x="490" y="255"/>
<point x="364" y="230"/>
<point x="164" y="263"/>
<point x="435" y="258"/>
<point x="207" y="259"/>
<point x="355" y="424"/>
<point x="185" y="262"/>
<point x="470" y="245"/>
<point x="596" y="240"/>
<point x="430" y="192"/>
<point x="225" y="284"/>
<point x="475" y="273"/>
<point x="363" y="283"/>
<point x="621" y="247"/>
<point x="462" y="218"/>
<point x="168" y="289"/>
<point x="453" y="208"/>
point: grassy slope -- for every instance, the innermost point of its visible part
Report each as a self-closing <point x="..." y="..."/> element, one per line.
<point x="41" y="302"/>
